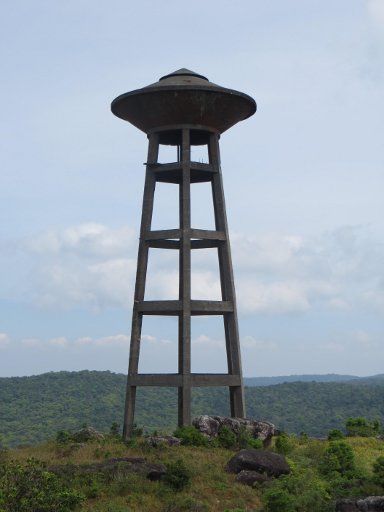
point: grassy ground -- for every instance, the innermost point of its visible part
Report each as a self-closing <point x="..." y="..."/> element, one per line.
<point x="211" y="489"/>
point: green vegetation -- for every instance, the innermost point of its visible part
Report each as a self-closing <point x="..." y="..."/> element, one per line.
<point x="284" y="444"/>
<point x="190" y="436"/>
<point x="30" y="487"/>
<point x="178" y="476"/>
<point x="322" y="471"/>
<point x="362" y="427"/>
<point x="35" y="408"/>
<point x="339" y="459"/>
<point x="335" y="434"/>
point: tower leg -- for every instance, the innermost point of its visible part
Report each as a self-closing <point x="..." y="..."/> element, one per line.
<point x="184" y="392"/>
<point x="141" y="273"/>
<point x="236" y="393"/>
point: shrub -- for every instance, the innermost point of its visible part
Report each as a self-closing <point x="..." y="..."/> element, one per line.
<point x="256" y="444"/>
<point x="226" y="438"/>
<point x="335" y="434"/>
<point x="284" y="444"/>
<point x="279" y="500"/>
<point x="190" y="436"/>
<point x="362" y="427"/>
<point x="338" y="458"/>
<point x="301" y="491"/>
<point x="32" y="488"/>
<point x="378" y="471"/>
<point x="178" y="476"/>
<point x="63" y="437"/>
<point x="115" y="429"/>
<point x="137" y="431"/>
<point x="245" y="440"/>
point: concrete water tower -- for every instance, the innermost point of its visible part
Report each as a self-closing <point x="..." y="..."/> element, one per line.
<point x="184" y="109"/>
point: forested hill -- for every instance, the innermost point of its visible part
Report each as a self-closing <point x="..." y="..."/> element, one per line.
<point x="269" y="381"/>
<point x="34" y="408"/>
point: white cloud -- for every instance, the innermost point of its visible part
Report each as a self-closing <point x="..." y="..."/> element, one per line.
<point x="105" y="341"/>
<point x="207" y="341"/>
<point x="58" y="342"/>
<point x="250" y="342"/>
<point x="154" y="340"/>
<point x="92" y="266"/>
<point x="89" y="239"/>
<point x="4" y="339"/>
<point x="31" y="342"/>
<point x="376" y="10"/>
<point x="283" y="297"/>
<point x="364" y="339"/>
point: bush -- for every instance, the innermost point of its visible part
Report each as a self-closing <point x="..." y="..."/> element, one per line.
<point x="335" y="434"/>
<point x="338" y="458"/>
<point x="301" y="491"/>
<point x="178" y="476"/>
<point x="190" y="436"/>
<point x="279" y="500"/>
<point x="226" y="438"/>
<point x="256" y="444"/>
<point x="137" y="431"/>
<point x="284" y="444"/>
<point x="245" y="440"/>
<point x="32" y="488"/>
<point x="115" y="429"/>
<point x="362" y="427"/>
<point x="378" y="471"/>
<point x="63" y="437"/>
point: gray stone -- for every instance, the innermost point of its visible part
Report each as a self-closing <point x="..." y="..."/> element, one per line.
<point x="261" y="461"/>
<point x="156" y="441"/>
<point x="87" y="434"/>
<point x="346" y="506"/>
<point x="369" y="504"/>
<point x="210" y="426"/>
<point x="113" y="467"/>
<point x="248" y="477"/>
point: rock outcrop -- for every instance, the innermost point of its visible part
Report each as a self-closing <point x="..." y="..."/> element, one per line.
<point x="156" y="441"/>
<point x="270" y="463"/>
<point x="113" y="467"/>
<point x="370" y="504"/>
<point x="248" y="477"/>
<point x="87" y="434"/>
<point x="210" y="426"/>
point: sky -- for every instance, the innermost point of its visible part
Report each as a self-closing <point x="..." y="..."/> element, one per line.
<point x="303" y="179"/>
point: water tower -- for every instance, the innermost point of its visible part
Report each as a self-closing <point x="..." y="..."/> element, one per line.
<point x="184" y="109"/>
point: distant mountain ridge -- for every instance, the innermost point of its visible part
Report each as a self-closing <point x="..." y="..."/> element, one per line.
<point x="34" y="408"/>
<point x="329" y="377"/>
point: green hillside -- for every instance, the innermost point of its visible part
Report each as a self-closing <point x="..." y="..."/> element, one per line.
<point x="34" y="408"/>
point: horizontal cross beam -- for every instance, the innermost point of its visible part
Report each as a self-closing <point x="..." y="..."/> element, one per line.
<point x="174" y="307"/>
<point x="175" y="379"/>
<point x="193" y="234"/>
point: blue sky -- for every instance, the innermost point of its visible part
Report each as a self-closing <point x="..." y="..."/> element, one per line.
<point x="303" y="181"/>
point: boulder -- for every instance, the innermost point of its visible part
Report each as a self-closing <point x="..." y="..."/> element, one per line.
<point x="210" y="426"/>
<point x="370" y="504"/>
<point x="114" y="467"/>
<point x="87" y="434"/>
<point x="247" y="477"/>
<point x="272" y="464"/>
<point x="346" y="506"/>
<point x="156" y="441"/>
